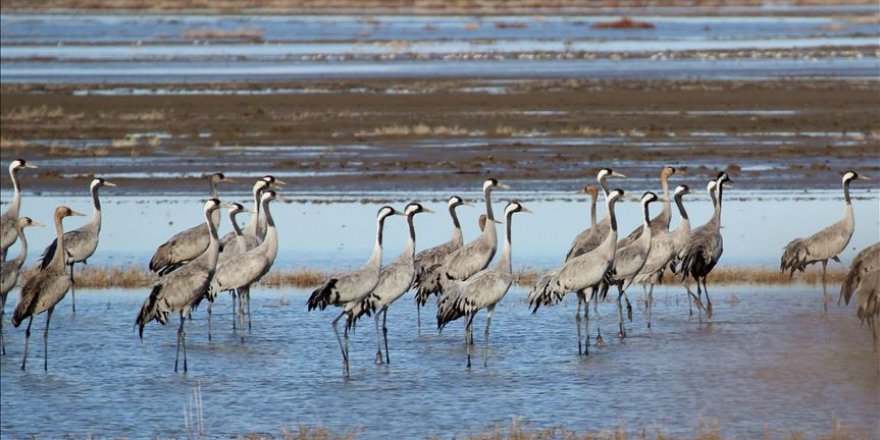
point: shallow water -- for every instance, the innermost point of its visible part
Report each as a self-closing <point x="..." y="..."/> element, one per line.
<point x="339" y="235"/>
<point x="768" y="360"/>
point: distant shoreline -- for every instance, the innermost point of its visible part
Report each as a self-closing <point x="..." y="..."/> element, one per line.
<point x="132" y="277"/>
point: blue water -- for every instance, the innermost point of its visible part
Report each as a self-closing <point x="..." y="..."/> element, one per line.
<point x="768" y="360"/>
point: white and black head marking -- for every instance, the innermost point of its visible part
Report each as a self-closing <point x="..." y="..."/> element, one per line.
<point x="604" y="172"/>
<point x="455" y="201"/>
<point x="385" y="211"/>
<point x="269" y="195"/>
<point x="615" y="194"/>
<point x="724" y="177"/>
<point x="850" y="175"/>
<point x="490" y="183"/>
<point x="24" y="222"/>
<point x="236" y="207"/>
<point x="414" y="208"/>
<point x="515" y="206"/>
<point x="682" y="189"/>
<point x="17" y="163"/>
<point x="212" y="204"/>
<point x="711" y="185"/>
<point x="648" y="197"/>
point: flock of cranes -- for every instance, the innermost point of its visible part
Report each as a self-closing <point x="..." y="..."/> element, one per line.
<point x="197" y="264"/>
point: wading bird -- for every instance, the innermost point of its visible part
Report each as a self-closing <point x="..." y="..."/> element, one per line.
<point x="189" y="244"/>
<point x="44" y="290"/>
<point x="470" y="258"/>
<point x="181" y="291"/>
<point x="824" y="245"/>
<point x="80" y="244"/>
<point x="581" y="274"/>
<point x="863" y="281"/>
<point x="629" y="260"/>
<point x="10" y="270"/>
<point x="248" y="268"/>
<point x="394" y="280"/>
<point x="8" y="220"/>
<point x="483" y="290"/>
<point x="431" y="258"/>
<point x="341" y="290"/>
<point x="255" y="231"/>
<point x="590" y="238"/>
<point x="705" y="246"/>
<point x="660" y="223"/>
<point x="665" y="246"/>
<point x="233" y="247"/>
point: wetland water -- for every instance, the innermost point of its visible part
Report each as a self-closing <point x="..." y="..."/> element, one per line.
<point x="768" y="360"/>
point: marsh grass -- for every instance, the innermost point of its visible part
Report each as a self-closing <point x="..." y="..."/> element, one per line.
<point x="131" y="277"/>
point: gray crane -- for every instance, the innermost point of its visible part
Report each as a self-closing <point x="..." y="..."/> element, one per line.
<point x="341" y="290"/>
<point x="431" y="258"/>
<point x="395" y="279"/>
<point x="863" y="281"/>
<point x="181" y="291"/>
<point x="590" y="238"/>
<point x="80" y="244"/>
<point x="189" y="244"/>
<point x="483" y="290"/>
<point x="8" y="220"/>
<point x="10" y="270"/>
<point x="581" y="274"/>
<point x="242" y="271"/>
<point x="705" y="245"/>
<point x="665" y="246"/>
<point x="824" y="245"/>
<point x="629" y="260"/>
<point x="470" y="258"/>
<point x="255" y="230"/>
<point x="661" y="222"/>
<point x="44" y="290"/>
<point x="229" y="249"/>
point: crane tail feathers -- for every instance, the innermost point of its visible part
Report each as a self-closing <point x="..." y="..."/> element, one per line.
<point x="794" y="257"/>
<point x="150" y="311"/>
<point x="323" y="296"/>
<point x="48" y="254"/>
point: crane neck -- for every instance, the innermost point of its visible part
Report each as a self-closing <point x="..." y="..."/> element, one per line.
<point x="646" y="214"/>
<point x="270" y="222"/>
<point x="456" y="226"/>
<point x="609" y="205"/>
<point x="603" y="182"/>
<point x="846" y="198"/>
<point x="487" y="195"/>
<point x="666" y="213"/>
<point x="213" y="184"/>
<point x="505" y="262"/>
<point x="22" y="254"/>
<point x="680" y="204"/>
<point x="16" y="194"/>
<point x="593" y="210"/>
<point x="411" y="244"/>
<point x="376" y="258"/>
<point x="716" y="217"/>
<point x="96" y="217"/>
<point x="57" y="262"/>
<point x="235" y="227"/>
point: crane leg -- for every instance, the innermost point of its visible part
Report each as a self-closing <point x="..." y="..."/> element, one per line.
<point x="587" y="324"/>
<point x="600" y="342"/>
<point x="825" y="287"/>
<point x="650" y="303"/>
<point x="577" y="318"/>
<point x="708" y="301"/>
<point x="27" y="338"/>
<point x="385" y="335"/>
<point x="234" y="310"/>
<point x="491" y="311"/>
<point x="342" y="347"/>
<point x="378" y="340"/>
<point x="46" y="339"/>
<point x="622" y="331"/>
<point x="210" y="303"/>
<point x="699" y="300"/>
<point x="418" y="316"/>
<point x="2" y="339"/>
<point x="72" y="289"/>
<point x="469" y="334"/>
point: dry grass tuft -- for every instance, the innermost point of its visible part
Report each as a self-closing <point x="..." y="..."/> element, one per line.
<point x="295" y="278"/>
<point x="623" y="23"/>
<point x="148" y="116"/>
<point x="30" y="114"/>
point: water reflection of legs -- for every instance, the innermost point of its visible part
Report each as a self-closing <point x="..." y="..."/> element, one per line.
<point x="708" y="301"/>
<point x="378" y="340"/>
<point x="577" y="319"/>
<point x="46" y="340"/>
<point x="469" y="336"/>
<point x="27" y="338"/>
<point x="650" y="303"/>
<point x="385" y="334"/>
<point x="600" y="342"/>
<point x="210" y="303"/>
<point x="491" y="311"/>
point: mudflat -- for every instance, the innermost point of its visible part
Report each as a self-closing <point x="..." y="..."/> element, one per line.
<point x="353" y="135"/>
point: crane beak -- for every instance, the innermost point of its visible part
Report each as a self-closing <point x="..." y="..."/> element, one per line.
<point x="467" y="204"/>
<point x="227" y="206"/>
<point x="75" y="213"/>
<point x="36" y="223"/>
<point x="616" y="174"/>
<point x="727" y="185"/>
<point x="279" y="182"/>
<point x="864" y="177"/>
<point x="396" y="212"/>
<point x="498" y="222"/>
<point x="29" y="165"/>
<point x="109" y="183"/>
<point x="429" y="211"/>
<point x="503" y="186"/>
<point x="526" y="210"/>
<point x="229" y="179"/>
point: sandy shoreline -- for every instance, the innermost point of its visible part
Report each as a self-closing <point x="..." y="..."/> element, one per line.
<point x="371" y="135"/>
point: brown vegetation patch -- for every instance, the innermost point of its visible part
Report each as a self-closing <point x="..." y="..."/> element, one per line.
<point x="623" y="23"/>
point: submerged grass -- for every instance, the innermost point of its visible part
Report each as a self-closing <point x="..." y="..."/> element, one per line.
<point x="131" y="276"/>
